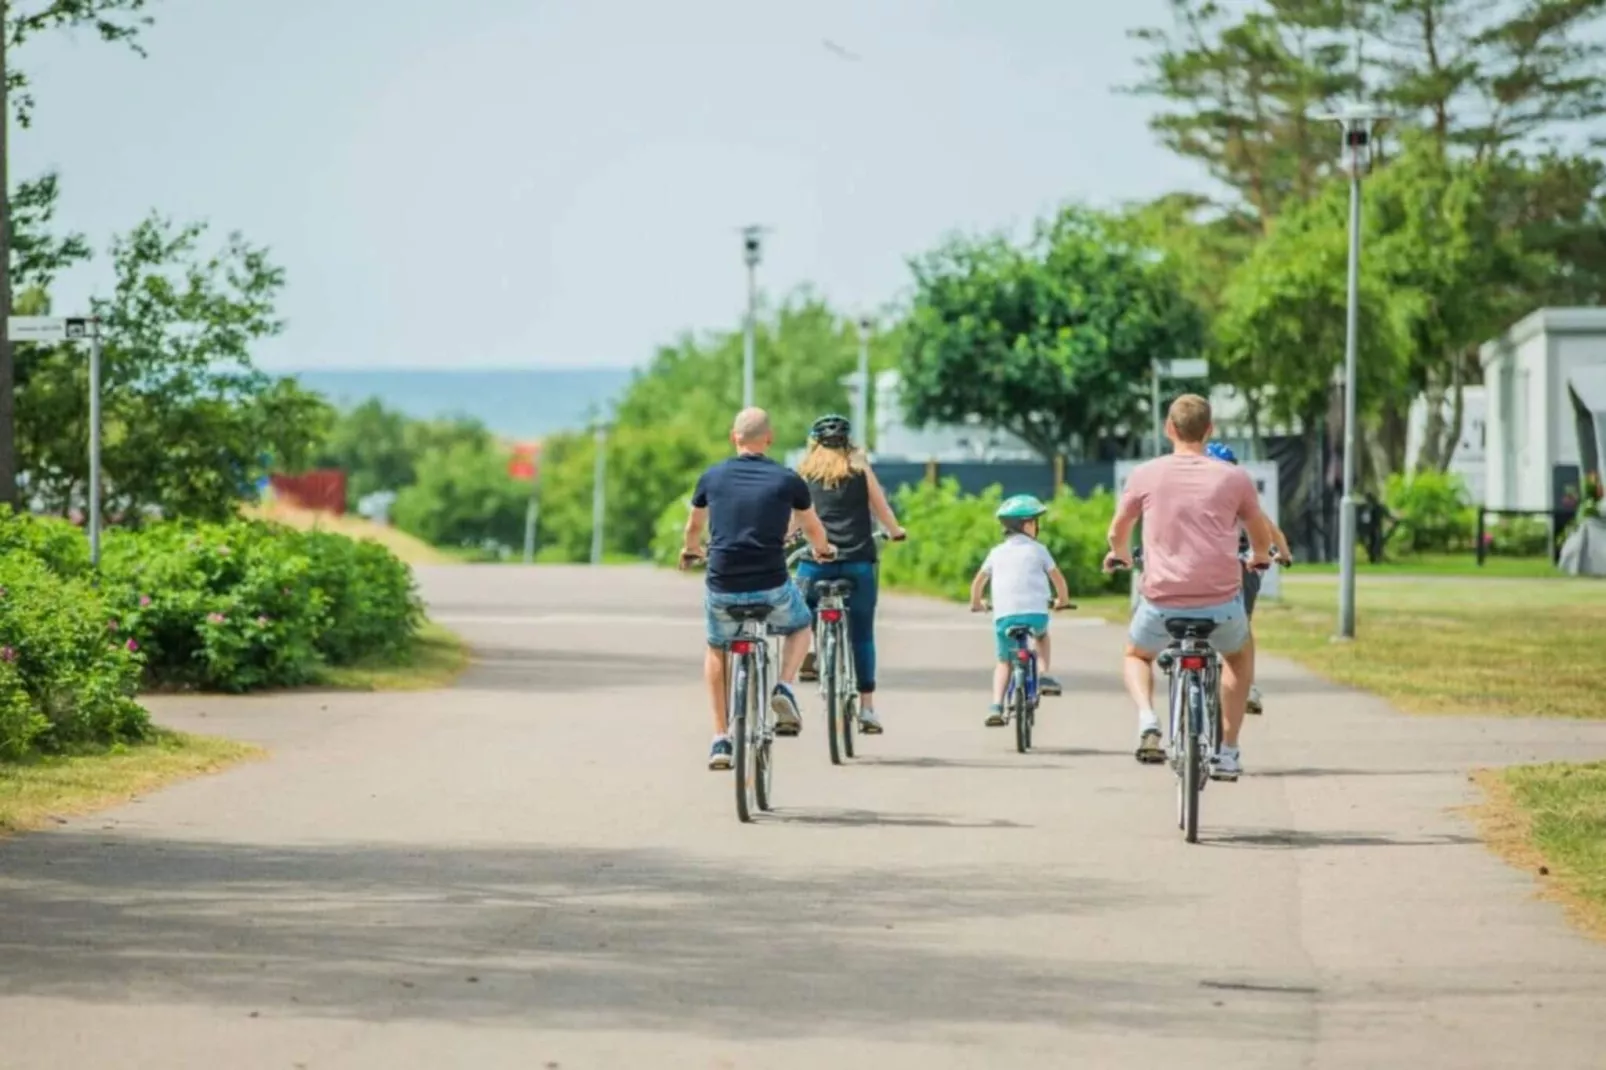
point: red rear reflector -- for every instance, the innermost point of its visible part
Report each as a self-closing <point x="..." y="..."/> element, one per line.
<point x="1194" y="662"/>
<point x="832" y="615"/>
<point x="741" y="646"/>
<point x="1024" y="655"/>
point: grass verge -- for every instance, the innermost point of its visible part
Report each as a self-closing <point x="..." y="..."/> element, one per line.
<point x="1463" y="564"/>
<point x="37" y="792"/>
<point x="436" y="657"/>
<point x="1512" y="648"/>
<point x="1551" y="821"/>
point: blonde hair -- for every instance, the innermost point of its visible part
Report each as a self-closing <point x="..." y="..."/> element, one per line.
<point x="1190" y="418"/>
<point x="830" y="466"/>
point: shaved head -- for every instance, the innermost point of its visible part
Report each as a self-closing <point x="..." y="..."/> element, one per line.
<point x="752" y="428"/>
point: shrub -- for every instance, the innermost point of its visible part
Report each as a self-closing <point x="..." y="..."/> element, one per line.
<point x="950" y="534"/>
<point x="1432" y="511"/>
<point x="373" y="604"/>
<point x="69" y="669"/>
<point x="60" y="544"/>
<point x="226" y="607"/>
<point x="1518" y="536"/>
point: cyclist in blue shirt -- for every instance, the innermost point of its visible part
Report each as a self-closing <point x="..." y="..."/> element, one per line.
<point x="748" y="504"/>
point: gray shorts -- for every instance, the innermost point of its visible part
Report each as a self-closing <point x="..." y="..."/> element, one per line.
<point x="1148" y="633"/>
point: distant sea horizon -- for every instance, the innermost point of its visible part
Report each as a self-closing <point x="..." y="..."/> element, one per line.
<point x="517" y="403"/>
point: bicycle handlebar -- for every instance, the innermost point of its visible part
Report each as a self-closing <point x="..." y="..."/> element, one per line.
<point x="986" y="607"/>
<point x="1273" y="558"/>
<point x="806" y="552"/>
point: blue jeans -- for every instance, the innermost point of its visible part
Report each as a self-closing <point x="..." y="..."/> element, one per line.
<point x="861" y="608"/>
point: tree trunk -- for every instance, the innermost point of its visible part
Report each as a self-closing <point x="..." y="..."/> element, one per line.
<point x="1432" y="456"/>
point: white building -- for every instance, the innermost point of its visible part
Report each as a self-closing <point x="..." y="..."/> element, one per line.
<point x="1538" y="376"/>
<point x="1469" y="461"/>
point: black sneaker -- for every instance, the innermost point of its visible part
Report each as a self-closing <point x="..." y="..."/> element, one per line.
<point x="1149" y="750"/>
<point x="720" y="754"/>
<point x="810" y="672"/>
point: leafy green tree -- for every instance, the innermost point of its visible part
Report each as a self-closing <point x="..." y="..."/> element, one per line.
<point x="379" y="448"/>
<point x="189" y="422"/>
<point x="1052" y="341"/>
<point x="118" y="21"/>
<point x="463" y="496"/>
<point x="646" y="468"/>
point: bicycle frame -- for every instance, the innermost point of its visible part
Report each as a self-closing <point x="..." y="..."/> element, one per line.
<point x="833" y="644"/>
<point x="748" y="685"/>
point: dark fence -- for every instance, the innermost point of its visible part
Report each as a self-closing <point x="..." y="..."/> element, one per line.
<point x="1015" y="477"/>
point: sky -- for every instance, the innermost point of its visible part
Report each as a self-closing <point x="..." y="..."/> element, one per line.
<point x="528" y="183"/>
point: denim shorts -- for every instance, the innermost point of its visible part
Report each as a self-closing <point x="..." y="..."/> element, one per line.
<point x="1037" y="622"/>
<point x="1148" y="633"/>
<point x="788" y="612"/>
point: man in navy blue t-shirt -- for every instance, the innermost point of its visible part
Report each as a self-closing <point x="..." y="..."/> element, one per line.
<point x="748" y="504"/>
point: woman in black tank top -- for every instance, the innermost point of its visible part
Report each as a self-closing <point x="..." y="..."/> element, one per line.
<point x="849" y="501"/>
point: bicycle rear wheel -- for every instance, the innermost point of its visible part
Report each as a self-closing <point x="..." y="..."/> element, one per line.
<point x="741" y="728"/>
<point x="829" y="655"/>
<point x="1020" y="711"/>
<point x="1192" y="780"/>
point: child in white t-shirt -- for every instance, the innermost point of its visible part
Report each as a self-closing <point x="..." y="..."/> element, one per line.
<point x="1025" y="580"/>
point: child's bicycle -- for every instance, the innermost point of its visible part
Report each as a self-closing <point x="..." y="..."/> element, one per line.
<point x="1021" y="697"/>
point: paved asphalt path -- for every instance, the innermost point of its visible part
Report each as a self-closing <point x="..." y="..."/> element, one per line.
<point x="534" y="870"/>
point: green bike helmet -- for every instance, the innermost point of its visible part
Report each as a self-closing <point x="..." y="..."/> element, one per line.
<point x="831" y="430"/>
<point x="1019" y="510"/>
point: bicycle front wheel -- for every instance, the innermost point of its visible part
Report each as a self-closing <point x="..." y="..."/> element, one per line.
<point x="741" y="729"/>
<point x="1021" y="712"/>
<point x="848" y="688"/>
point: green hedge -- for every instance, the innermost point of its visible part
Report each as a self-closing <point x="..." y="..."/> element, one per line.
<point x="222" y="607"/>
<point x="68" y="669"/>
<point x="1433" y="512"/>
<point x="951" y="532"/>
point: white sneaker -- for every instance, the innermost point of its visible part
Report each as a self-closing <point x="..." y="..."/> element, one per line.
<point x="1226" y="765"/>
<point x="1254" y="700"/>
<point x="869" y="723"/>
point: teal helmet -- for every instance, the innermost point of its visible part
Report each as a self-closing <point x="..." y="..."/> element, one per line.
<point x="1021" y="507"/>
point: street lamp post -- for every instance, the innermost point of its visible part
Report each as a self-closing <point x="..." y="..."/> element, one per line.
<point x="599" y="494"/>
<point x="751" y="251"/>
<point x="1356" y="124"/>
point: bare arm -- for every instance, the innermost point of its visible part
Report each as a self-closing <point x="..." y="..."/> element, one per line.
<point x="1062" y="592"/>
<point x="695" y="523"/>
<point x="880" y="507"/>
<point x="978" y="587"/>
<point x="808" y="521"/>
<point x="1256" y="524"/>
<point x="1127" y="515"/>
<point x="1281" y="542"/>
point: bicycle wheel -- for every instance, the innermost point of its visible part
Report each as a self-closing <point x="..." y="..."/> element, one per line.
<point x="741" y="729"/>
<point x="833" y="694"/>
<point x="1020" y="710"/>
<point x="763" y="752"/>
<point x="1192" y="781"/>
<point x="848" y="684"/>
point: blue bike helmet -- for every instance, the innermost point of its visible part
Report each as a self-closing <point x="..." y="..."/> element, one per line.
<point x="1221" y="452"/>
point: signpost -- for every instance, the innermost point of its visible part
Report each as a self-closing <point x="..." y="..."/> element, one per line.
<point x="55" y="330"/>
<point x="1189" y="368"/>
<point x="526" y="465"/>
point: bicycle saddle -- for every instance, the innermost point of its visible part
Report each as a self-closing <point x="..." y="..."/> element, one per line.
<point x="751" y="611"/>
<point x="1190" y="627"/>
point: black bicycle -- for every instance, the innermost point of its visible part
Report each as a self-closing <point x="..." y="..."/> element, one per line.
<point x="1022" y="696"/>
<point x="833" y="657"/>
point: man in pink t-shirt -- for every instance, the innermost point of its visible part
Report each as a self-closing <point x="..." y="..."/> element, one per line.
<point x="1191" y="507"/>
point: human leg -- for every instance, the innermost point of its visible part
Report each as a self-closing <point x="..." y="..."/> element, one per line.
<point x="716" y="660"/>
<point x="861" y="633"/>
<point x="789" y="618"/>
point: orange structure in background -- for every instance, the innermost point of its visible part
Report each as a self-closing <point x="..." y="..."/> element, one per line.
<point x="526" y="461"/>
<point x="323" y="490"/>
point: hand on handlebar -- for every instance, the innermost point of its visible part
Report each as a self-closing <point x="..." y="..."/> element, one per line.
<point x="1112" y="563"/>
<point x="824" y="552"/>
<point x="688" y="558"/>
<point x="897" y="534"/>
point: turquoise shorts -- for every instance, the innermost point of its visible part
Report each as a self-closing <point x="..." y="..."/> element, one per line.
<point x="1037" y="622"/>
